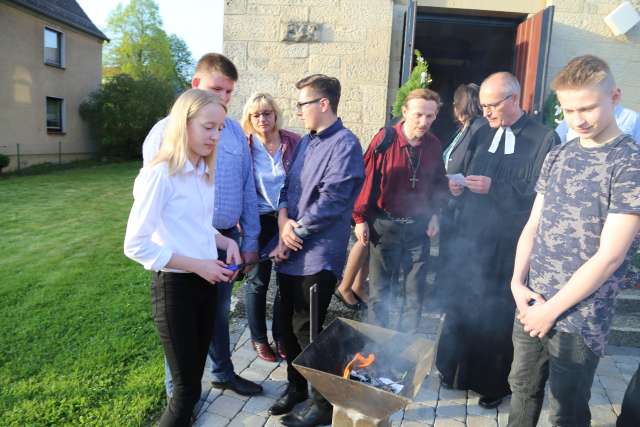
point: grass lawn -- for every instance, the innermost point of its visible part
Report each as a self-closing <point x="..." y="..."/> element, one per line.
<point x="78" y="346"/>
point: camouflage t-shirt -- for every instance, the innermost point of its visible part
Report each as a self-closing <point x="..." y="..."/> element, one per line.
<point x="580" y="187"/>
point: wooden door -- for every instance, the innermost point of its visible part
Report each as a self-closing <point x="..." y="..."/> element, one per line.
<point x="533" y="39"/>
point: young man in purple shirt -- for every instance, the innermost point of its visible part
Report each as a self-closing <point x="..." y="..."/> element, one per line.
<point x="314" y="220"/>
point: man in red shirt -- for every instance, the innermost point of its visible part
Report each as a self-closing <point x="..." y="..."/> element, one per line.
<point x="410" y="188"/>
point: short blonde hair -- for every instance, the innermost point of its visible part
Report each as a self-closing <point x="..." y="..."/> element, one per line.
<point x="175" y="146"/>
<point x="255" y="102"/>
<point x="584" y="71"/>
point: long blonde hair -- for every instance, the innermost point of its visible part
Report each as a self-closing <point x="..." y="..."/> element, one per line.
<point x="175" y="147"/>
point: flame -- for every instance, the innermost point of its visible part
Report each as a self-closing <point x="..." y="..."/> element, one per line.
<point x="359" y="361"/>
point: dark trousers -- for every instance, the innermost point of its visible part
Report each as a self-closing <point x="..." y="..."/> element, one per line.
<point x="257" y="284"/>
<point x="219" y="347"/>
<point x="567" y="362"/>
<point x="396" y="245"/>
<point x="183" y="311"/>
<point x="630" y="414"/>
<point x="294" y="295"/>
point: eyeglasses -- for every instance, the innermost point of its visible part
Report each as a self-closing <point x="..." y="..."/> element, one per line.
<point x="492" y="107"/>
<point x="299" y="105"/>
<point x="265" y="114"/>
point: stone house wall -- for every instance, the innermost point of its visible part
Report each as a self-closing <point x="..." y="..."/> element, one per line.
<point x="579" y="28"/>
<point x="353" y="44"/>
<point x="360" y="42"/>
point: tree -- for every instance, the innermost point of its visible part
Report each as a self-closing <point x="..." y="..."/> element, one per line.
<point x="140" y="47"/>
<point x="419" y="78"/>
<point x="182" y="59"/>
<point x="123" y="110"/>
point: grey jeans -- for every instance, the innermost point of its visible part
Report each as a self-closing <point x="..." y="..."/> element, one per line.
<point x="569" y="365"/>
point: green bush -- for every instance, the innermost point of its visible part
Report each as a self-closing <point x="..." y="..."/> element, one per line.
<point x="552" y="113"/>
<point x="4" y="161"/>
<point x="419" y="78"/>
<point x="121" y="113"/>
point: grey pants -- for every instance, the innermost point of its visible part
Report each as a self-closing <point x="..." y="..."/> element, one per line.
<point x="569" y="365"/>
<point x="395" y="246"/>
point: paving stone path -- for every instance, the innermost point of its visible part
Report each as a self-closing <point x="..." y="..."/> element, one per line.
<point x="434" y="405"/>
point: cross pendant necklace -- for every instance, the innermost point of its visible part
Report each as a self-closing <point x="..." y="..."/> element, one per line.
<point x="414" y="164"/>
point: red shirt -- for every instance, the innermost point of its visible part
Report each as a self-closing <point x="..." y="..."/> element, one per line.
<point x="395" y="194"/>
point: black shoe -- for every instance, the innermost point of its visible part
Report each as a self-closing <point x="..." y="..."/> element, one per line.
<point x="312" y="417"/>
<point x="490" y="402"/>
<point x="363" y="303"/>
<point x="344" y="302"/>
<point x="239" y="385"/>
<point x="444" y="383"/>
<point x="288" y="400"/>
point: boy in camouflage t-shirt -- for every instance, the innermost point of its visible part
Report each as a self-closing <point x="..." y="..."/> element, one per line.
<point x="573" y="252"/>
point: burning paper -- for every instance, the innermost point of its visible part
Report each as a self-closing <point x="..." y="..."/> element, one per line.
<point x="362" y="369"/>
<point x="358" y="361"/>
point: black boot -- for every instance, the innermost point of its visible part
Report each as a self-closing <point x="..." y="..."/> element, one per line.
<point x="320" y="412"/>
<point x="291" y="397"/>
<point x="314" y="416"/>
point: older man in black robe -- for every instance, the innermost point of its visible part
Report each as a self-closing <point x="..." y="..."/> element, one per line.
<point x="501" y="170"/>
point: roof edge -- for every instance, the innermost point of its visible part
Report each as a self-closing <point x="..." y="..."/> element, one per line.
<point x="97" y="33"/>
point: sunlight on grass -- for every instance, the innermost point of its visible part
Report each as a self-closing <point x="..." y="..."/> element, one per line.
<point x="78" y="343"/>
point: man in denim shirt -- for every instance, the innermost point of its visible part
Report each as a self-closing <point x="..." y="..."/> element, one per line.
<point x="314" y="220"/>
<point x="235" y="202"/>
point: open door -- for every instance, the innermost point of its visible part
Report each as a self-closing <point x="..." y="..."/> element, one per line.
<point x="409" y="35"/>
<point x="533" y="38"/>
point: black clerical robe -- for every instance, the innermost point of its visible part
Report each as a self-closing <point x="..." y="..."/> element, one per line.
<point x="475" y="348"/>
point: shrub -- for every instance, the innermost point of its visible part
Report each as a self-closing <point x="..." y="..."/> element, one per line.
<point x="123" y="110"/>
<point x="419" y="79"/>
<point x="552" y="113"/>
<point x="4" y="161"/>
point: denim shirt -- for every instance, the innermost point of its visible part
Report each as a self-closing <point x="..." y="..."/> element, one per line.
<point x="321" y="187"/>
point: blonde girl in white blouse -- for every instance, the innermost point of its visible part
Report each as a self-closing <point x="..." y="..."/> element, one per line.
<point x="170" y="232"/>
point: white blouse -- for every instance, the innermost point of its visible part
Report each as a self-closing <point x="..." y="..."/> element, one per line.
<point x="171" y="215"/>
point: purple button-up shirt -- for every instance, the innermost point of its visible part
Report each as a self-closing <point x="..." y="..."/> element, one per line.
<point x="321" y="187"/>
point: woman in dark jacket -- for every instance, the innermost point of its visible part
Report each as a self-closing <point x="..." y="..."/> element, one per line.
<point x="272" y="151"/>
<point x="467" y="111"/>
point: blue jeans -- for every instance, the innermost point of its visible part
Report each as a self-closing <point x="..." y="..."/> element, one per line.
<point x="220" y="347"/>
<point x="567" y="362"/>
<point x="257" y="284"/>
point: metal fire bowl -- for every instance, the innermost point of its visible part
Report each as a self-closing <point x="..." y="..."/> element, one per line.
<point x="323" y="361"/>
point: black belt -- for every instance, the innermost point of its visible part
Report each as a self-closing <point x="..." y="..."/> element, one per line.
<point x="398" y="219"/>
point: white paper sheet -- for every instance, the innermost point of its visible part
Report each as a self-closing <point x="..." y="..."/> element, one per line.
<point x="458" y="178"/>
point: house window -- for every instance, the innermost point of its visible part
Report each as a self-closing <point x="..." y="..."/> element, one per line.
<point x="54" y="114"/>
<point x="53" y="47"/>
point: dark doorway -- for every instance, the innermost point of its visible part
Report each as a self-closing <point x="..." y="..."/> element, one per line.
<point x="463" y="48"/>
